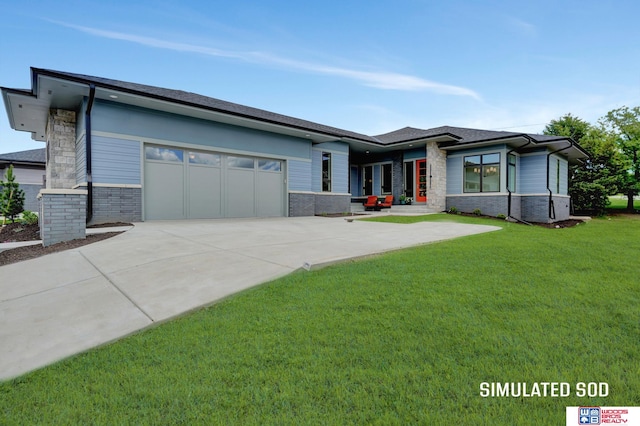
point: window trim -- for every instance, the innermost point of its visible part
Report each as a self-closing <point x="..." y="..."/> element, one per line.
<point x="325" y="183"/>
<point x="481" y="165"/>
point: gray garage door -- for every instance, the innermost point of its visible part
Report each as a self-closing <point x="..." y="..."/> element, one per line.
<point x="185" y="184"/>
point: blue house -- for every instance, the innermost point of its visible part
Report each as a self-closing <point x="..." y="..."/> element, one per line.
<point x="133" y="152"/>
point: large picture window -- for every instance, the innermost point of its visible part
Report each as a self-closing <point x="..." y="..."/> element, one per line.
<point x="326" y="172"/>
<point x="482" y="173"/>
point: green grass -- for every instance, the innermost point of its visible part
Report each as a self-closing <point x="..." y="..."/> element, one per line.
<point x="620" y="203"/>
<point x="402" y="338"/>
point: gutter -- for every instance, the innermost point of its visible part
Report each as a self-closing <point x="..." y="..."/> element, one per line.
<point x="87" y="140"/>
<point x="552" y="211"/>
<point x="529" y="141"/>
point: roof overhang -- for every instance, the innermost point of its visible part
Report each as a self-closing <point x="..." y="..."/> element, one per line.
<point x="28" y="110"/>
<point x="526" y="143"/>
<point x="363" y="147"/>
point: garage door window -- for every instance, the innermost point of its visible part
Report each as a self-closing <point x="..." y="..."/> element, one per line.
<point x="163" y="154"/>
<point x="270" y="165"/>
<point x="240" y="162"/>
<point x="204" y="159"/>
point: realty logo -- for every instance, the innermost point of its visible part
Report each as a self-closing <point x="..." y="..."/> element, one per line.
<point x="589" y="416"/>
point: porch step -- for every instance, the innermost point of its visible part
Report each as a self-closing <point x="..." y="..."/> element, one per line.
<point x="396" y="209"/>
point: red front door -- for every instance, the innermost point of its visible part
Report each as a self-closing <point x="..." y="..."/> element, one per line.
<point x="421" y="180"/>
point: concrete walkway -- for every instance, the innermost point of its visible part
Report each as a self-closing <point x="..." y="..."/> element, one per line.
<point x="65" y="303"/>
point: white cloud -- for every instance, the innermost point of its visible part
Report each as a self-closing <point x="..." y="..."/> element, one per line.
<point x="377" y="79"/>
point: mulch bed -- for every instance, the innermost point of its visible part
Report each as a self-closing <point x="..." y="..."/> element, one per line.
<point x="561" y="224"/>
<point x="16" y="232"/>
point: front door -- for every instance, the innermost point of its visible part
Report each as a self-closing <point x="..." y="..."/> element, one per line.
<point x="368" y="180"/>
<point x="421" y="180"/>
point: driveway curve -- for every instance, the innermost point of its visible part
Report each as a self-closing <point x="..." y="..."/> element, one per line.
<point x="65" y="303"/>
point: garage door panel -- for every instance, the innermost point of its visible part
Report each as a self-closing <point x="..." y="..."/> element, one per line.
<point x="164" y="190"/>
<point x="270" y="194"/>
<point x="240" y="193"/>
<point x="189" y="184"/>
<point x="205" y="192"/>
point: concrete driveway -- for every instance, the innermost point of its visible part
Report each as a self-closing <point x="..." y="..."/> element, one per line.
<point x="65" y="303"/>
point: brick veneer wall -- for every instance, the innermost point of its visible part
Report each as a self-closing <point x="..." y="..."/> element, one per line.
<point x="309" y="204"/>
<point x="536" y="208"/>
<point x="116" y="204"/>
<point x="490" y="205"/>
<point x="62" y="215"/>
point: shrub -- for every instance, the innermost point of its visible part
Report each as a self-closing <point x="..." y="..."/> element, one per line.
<point x="501" y="216"/>
<point x="11" y="196"/>
<point x="453" y="210"/>
<point x="477" y="212"/>
<point x="29" y="218"/>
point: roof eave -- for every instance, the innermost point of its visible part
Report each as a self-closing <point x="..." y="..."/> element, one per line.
<point x="54" y="74"/>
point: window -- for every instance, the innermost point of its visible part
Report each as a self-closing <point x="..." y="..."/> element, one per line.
<point x="270" y="165"/>
<point x="482" y="173"/>
<point x="386" y="178"/>
<point x="163" y="154"/>
<point x="326" y="172"/>
<point x="511" y="175"/>
<point x="204" y="158"/>
<point x="240" y="162"/>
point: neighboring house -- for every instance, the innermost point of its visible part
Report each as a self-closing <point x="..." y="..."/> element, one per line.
<point x="29" y="170"/>
<point x="141" y="153"/>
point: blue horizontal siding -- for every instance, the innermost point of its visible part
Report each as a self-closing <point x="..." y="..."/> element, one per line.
<point x="299" y="175"/>
<point x="145" y="123"/>
<point x="533" y="174"/>
<point x="454" y="175"/>
<point x="340" y="173"/>
<point x="115" y="160"/>
<point x="316" y="171"/>
<point x="564" y="177"/>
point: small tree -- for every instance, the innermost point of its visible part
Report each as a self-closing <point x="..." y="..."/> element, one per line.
<point x="625" y="123"/>
<point x="11" y="196"/>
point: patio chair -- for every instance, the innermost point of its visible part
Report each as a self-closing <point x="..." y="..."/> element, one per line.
<point x="386" y="204"/>
<point x="371" y="203"/>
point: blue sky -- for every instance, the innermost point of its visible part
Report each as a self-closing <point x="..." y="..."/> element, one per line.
<point x="367" y="66"/>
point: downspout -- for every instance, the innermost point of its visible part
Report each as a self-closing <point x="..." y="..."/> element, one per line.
<point x="508" y="190"/>
<point x="552" y="211"/>
<point x="87" y="139"/>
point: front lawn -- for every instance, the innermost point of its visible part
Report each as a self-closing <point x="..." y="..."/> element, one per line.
<point x="619" y="202"/>
<point x="402" y="338"/>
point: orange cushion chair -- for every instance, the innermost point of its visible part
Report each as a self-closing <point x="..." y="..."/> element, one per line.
<point x="372" y="202"/>
<point x="388" y="200"/>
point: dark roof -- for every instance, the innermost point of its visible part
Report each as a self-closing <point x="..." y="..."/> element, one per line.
<point x="213" y="104"/>
<point x="456" y="136"/>
<point x="30" y="156"/>
<point x="408" y="134"/>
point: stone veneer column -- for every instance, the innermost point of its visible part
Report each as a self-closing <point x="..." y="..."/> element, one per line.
<point x="61" y="149"/>
<point x="436" y="177"/>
